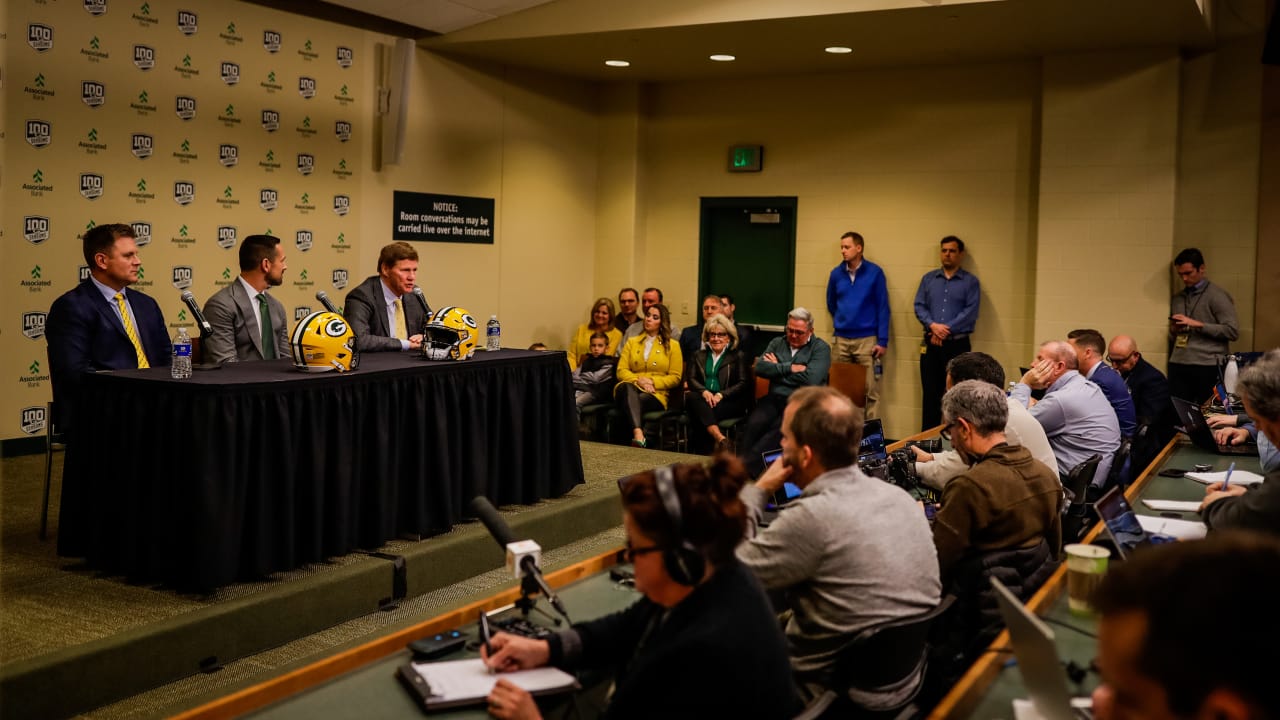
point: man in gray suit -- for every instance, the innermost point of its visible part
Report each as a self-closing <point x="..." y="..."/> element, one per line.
<point x="249" y="324"/>
<point x="382" y="310"/>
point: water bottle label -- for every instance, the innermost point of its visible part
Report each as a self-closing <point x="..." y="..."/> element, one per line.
<point x="493" y="330"/>
<point x="181" y="350"/>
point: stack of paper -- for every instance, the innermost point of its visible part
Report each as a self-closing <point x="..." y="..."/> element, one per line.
<point x="1181" y="529"/>
<point x="1239" y="477"/>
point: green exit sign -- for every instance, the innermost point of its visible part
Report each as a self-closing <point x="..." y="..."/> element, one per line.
<point x="746" y="158"/>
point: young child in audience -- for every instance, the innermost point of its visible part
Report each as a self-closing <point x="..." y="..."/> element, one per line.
<point x="538" y="346"/>
<point x="593" y="379"/>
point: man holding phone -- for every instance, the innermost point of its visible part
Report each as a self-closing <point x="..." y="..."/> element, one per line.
<point x="1202" y="323"/>
<point x="850" y="552"/>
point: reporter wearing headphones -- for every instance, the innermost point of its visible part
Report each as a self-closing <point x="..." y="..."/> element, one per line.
<point x="702" y="642"/>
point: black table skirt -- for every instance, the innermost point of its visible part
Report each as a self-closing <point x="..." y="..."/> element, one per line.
<point x="256" y="467"/>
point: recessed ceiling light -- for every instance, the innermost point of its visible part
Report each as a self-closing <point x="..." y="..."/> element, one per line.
<point x="723" y="58"/>
<point x="617" y="63"/>
<point x="839" y="50"/>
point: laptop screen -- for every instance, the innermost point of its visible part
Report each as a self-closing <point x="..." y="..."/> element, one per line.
<point x="1121" y="521"/>
<point x="872" y="447"/>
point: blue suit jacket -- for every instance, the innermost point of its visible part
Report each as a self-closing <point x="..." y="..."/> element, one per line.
<point x="85" y="335"/>
<point x="1117" y="394"/>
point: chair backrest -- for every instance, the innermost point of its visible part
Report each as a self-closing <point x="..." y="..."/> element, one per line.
<point x="850" y="379"/>
<point x="762" y="387"/>
<point x="1118" y="474"/>
<point x="888" y="653"/>
<point x="1078" y="481"/>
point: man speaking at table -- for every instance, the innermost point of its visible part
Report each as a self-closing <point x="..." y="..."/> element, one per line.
<point x="382" y="310"/>
<point x="249" y="324"/>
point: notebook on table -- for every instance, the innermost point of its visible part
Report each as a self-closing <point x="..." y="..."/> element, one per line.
<point x="468" y="682"/>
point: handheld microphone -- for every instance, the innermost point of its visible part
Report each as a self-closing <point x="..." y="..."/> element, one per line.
<point x="205" y="328"/>
<point x="323" y="297"/>
<point x="426" y="309"/>
<point x="522" y="556"/>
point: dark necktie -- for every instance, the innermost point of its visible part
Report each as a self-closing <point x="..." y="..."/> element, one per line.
<point x="268" y="335"/>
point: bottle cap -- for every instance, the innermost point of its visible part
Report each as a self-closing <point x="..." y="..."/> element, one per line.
<point x="493" y="317"/>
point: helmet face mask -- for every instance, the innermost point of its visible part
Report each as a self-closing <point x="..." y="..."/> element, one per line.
<point x="450" y="334"/>
<point x="323" y="341"/>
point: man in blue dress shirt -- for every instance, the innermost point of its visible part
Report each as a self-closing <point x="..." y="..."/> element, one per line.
<point x="858" y="300"/>
<point x="947" y="307"/>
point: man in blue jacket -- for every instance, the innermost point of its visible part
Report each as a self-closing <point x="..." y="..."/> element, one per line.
<point x="858" y="300"/>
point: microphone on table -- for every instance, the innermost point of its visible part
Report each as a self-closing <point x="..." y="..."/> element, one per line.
<point x="522" y="556"/>
<point x="205" y="328"/>
<point x="417" y="291"/>
<point x="323" y="297"/>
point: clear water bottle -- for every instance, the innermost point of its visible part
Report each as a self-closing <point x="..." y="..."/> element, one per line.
<point x="493" y="334"/>
<point x="181" y="367"/>
<point x="879" y="369"/>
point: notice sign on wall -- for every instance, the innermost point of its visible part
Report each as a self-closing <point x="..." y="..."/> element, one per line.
<point x="442" y="218"/>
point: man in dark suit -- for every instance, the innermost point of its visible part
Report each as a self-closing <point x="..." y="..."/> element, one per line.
<point x="101" y="324"/>
<point x="1150" y="391"/>
<point x="691" y="337"/>
<point x="249" y="324"/>
<point x="380" y="311"/>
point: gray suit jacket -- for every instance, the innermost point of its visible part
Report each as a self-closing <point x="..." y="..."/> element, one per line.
<point x="236" y="335"/>
<point x="366" y="312"/>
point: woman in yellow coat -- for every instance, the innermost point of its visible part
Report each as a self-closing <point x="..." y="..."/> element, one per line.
<point x="602" y="314"/>
<point x="649" y="365"/>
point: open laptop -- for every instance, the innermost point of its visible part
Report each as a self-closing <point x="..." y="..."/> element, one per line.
<point x="1197" y="428"/>
<point x="1122" y="524"/>
<point x="872" y="446"/>
<point x="1042" y="671"/>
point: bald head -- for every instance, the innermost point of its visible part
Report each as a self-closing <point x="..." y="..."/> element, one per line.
<point x="1123" y="354"/>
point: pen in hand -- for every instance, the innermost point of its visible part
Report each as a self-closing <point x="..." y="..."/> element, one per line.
<point x="1227" y="478"/>
<point x="485" y="635"/>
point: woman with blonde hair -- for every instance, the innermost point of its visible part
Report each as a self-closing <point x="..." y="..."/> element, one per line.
<point x="718" y="387"/>
<point x="600" y="320"/>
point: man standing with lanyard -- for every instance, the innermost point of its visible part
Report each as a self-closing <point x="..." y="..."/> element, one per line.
<point x="947" y="307"/>
<point x="1202" y="321"/>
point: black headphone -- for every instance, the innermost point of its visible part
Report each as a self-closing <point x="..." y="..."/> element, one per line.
<point x="684" y="563"/>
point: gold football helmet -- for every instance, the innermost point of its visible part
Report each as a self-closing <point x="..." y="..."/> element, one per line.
<point x="323" y="341"/>
<point x="450" y="334"/>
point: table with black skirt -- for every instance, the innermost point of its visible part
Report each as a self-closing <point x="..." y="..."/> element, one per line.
<point x="257" y="467"/>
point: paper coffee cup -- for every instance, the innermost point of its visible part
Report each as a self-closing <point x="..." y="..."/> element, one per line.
<point x="1086" y="564"/>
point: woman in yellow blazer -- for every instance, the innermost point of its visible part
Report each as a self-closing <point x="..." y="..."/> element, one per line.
<point x="602" y="314"/>
<point x="649" y="365"/>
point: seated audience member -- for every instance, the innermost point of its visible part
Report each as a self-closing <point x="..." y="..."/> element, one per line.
<point x="937" y="469"/>
<point x="850" y="552"/>
<point x="797" y="359"/>
<point x="628" y="309"/>
<point x="744" y="331"/>
<point x="593" y="379"/>
<point x="1163" y="655"/>
<point x="649" y="367"/>
<point x="248" y="324"/>
<point x="1090" y="350"/>
<point x="1001" y="518"/>
<point x="691" y="339"/>
<point x="1241" y="429"/>
<point x="1150" y="392"/>
<point x="718" y="387"/>
<point x="1074" y="413"/>
<point x="102" y="323"/>
<point x="702" y="642"/>
<point x="380" y="310"/>
<point x="652" y="296"/>
<point x="1252" y="507"/>
<point x="601" y="321"/>
<point x="539" y="347"/>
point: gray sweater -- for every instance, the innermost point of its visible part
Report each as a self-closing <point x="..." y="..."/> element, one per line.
<point x="1214" y="307"/>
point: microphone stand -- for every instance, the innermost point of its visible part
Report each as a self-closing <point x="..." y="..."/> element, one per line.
<point x="529" y="603"/>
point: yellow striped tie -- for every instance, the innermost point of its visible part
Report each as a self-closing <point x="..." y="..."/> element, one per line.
<point x="131" y="332"/>
<point x="401" y="331"/>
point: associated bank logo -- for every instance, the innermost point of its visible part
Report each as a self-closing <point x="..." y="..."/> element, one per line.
<point x="187" y="68"/>
<point x="268" y="199"/>
<point x="94" y="51"/>
<point x="342" y="204"/>
<point x="306" y="163"/>
<point x="35" y="378"/>
<point x="344" y="96"/>
<point x="227" y="200"/>
<point x="226" y="236"/>
<point x="35" y="228"/>
<point x="39" y="37"/>
<point x="298" y="313"/>
<point x="144" y="57"/>
<point x="187" y="22"/>
<point x="184" y="192"/>
<point x="184" y="154"/>
<point x="230" y="73"/>
<point x="307" y="53"/>
<point x="271" y="41"/>
<point x="342" y="129"/>
<point x="341" y="172"/>
<point x="143" y="16"/>
<point x="37" y="90"/>
<point x="268" y="162"/>
<point x="39" y="133"/>
<point x="228" y="116"/>
<point x="305" y="129"/>
<point x="270" y="120"/>
<point x="341" y="244"/>
<point x="340" y="278"/>
<point x="182" y="276"/>
<point x="345" y="57"/>
<point x="270" y="84"/>
<point x="185" y="107"/>
<point x="141" y="232"/>
<point x="307" y="87"/>
<point x="94" y="94"/>
<point x="142" y="145"/>
<point x="230" y="35"/>
<point x="302" y="282"/>
<point x="143" y="104"/>
<point x="37" y="186"/>
<point x="304" y="204"/>
<point x="37" y="283"/>
<point x="229" y="155"/>
<point x="90" y="143"/>
<point x="140" y="194"/>
<point x="34" y="419"/>
<point x="303" y="239"/>
<point x="33" y="324"/>
<point x="95" y="7"/>
<point x="91" y="186"/>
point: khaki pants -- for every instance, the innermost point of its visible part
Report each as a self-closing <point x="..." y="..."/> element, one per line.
<point x="858" y="350"/>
